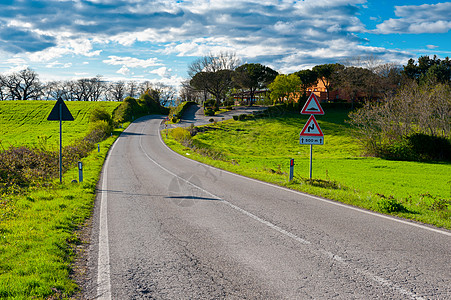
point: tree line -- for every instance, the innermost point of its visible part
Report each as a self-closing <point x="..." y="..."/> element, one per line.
<point x="25" y="85"/>
<point x="221" y="76"/>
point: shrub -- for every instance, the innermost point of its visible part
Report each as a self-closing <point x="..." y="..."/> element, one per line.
<point x="242" y="117"/>
<point x="99" y="114"/>
<point x="209" y="112"/>
<point x="211" y="120"/>
<point x="429" y="147"/>
<point x="390" y="205"/>
<point x="228" y="103"/>
<point x="413" y="124"/>
<point x="210" y="103"/>
<point x="229" y="108"/>
<point x="235" y="118"/>
<point x="174" y="120"/>
<point x="180" y="134"/>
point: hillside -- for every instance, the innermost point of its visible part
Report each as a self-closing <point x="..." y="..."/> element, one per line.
<point x="25" y="122"/>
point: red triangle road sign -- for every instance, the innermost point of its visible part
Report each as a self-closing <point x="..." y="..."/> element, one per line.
<point x="311" y="128"/>
<point x="312" y="106"/>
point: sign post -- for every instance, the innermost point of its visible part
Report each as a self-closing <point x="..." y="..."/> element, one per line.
<point x="60" y="113"/>
<point x="311" y="134"/>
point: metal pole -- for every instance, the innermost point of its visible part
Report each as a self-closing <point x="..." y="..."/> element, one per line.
<point x="61" y="144"/>
<point x="311" y="153"/>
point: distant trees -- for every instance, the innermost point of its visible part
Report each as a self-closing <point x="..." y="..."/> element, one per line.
<point x="429" y="69"/>
<point x="213" y="74"/>
<point x="253" y="77"/>
<point x="327" y="73"/>
<point x="23" y="85"/>
<point x="308" y="79"/>
<point x="285" y="88"/>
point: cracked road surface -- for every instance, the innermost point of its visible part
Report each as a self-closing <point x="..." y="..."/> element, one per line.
<point x="166" y="227"/>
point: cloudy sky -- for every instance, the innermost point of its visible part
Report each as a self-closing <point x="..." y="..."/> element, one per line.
<point x="156" y="40"/>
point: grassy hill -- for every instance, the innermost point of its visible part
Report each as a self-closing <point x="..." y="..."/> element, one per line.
<point x="262" y="148"/>
<point x="25" y="122"/>
<point x="38" y="227"/>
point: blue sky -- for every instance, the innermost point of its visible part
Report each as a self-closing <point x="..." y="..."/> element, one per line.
<point x="156" y="40"/>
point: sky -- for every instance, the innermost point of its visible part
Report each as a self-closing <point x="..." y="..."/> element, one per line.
<point x="143" y="40"/>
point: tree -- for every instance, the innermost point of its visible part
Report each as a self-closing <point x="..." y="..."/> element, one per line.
<point x="285" y="87"/>
<point x="327" y="73"/>
<point x="253" y="77"/>
<point x="428" y="70"/>
<point x="213" y="63"/>
<point x="213" y="74"/>
<point x="308" y="78"/>
<point x="357" y="82"/>
<point x="166" y="94"/>
<point x="216" y="83"/>
<point x="117" y="90"/>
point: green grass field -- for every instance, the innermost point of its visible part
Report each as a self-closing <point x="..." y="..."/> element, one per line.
<point x="38" y="229"/>
<point x="25" y="122"/>
<point x="262" y="149"/>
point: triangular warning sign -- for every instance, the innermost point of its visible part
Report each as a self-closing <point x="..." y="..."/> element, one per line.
<point x="60" y="108"/>
<point x="311" y="128"/>
<point x="312" y="106"/>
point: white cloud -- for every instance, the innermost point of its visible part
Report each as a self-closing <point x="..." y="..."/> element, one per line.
<point x="162" y="72"/>
<point x="124" y="70"/>
<point x="426" y="18"/>
<point x="432" y="47"/>
<point x="58" y="65"/>
<point x="132" y="62"/>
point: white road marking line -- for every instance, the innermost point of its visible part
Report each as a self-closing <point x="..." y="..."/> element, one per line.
<point x="367" y="274"/>
<point x="103" y="263"/>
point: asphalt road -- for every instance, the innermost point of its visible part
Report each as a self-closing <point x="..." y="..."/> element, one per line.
<point x="166" y="227"/>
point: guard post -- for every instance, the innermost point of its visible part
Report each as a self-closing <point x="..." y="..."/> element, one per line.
<point x="291" y="169"/>
<point x="80" y="171"/>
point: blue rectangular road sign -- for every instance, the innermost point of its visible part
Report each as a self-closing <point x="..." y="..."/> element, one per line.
<point x="311" y="140"/>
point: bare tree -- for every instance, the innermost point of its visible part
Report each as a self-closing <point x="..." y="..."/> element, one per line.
<point x="117" y="90"/>
<point x="144" y="87"/>
<point x="213" y="63"/>
<point x="132" y="89"/>
<point x="167" y="94"/>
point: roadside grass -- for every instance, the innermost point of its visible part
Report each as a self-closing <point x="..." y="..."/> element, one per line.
<point x="24" y="123"/>
<point x="38" y="233"/>
<point x="262" y="148"/>
<point x="38" y="228"/>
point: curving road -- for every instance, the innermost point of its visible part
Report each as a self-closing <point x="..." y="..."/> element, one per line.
<point x="166" y="227"/>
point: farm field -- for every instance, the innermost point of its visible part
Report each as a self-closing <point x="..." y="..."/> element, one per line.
<point x="25" y="122"/>
<point x="262" y="149"/>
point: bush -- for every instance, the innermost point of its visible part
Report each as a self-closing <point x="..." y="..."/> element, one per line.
<point x="174" y="120"/>
<point x="210" y="103"/>
<point x="209" y="112"/>
<point x="211" y="120"/>
<point x="180" y="134"/>
<point x="228" y="102"/>
<point x="235" y="118"/>
<point x="390" y="205"/>
<point x="242" y="117"/>
<point x="428" y="147"/>
<point x="413" y="124"/>
<point x="99" y="114"/>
